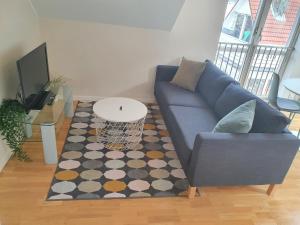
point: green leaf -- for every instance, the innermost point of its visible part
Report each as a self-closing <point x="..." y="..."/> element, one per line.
<point x="12" y="115"/>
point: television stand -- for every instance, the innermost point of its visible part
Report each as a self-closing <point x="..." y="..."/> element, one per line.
<point x="44" y="124"/>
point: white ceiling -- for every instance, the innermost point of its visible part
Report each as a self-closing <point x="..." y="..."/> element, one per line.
<point x="154" y="14"/>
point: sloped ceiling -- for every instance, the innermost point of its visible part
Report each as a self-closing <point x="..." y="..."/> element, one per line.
<point x="153" y="14"/>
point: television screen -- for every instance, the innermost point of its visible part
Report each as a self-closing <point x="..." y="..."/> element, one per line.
<point x="34" y="74"/>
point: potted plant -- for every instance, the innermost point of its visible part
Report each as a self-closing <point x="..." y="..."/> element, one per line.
<point x="12" y="116"/>
<point x="56" y="82"/>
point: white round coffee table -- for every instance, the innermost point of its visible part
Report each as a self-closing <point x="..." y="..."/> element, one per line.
<point x="120" y="122"/>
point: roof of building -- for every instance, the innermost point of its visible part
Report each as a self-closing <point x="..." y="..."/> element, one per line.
<point x="276" y="32"/>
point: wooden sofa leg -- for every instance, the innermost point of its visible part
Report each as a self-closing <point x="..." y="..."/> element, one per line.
<point x="270" y="190"/>
<point x="191" y="192"/>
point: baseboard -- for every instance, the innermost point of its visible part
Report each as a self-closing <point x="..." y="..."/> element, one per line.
<point x="95" y="98"/>
<point x="5" y="154"/>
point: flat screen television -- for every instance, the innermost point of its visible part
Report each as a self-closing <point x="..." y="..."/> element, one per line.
<point x="34" y="77"/>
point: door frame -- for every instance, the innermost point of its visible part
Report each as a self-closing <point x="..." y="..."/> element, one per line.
<point x="259" y="24"/>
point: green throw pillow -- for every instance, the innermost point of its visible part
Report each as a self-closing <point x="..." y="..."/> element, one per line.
<point x="238" y="120"/>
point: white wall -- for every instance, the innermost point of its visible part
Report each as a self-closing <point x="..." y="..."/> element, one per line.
<point x="19" y="34"/>
<point x="108" y="60"/>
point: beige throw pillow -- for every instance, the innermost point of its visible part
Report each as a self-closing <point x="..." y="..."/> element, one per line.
<point x="188" y="74"/>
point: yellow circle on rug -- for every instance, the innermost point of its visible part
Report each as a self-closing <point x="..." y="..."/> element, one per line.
<point x="149" y="126"/>
<point x="92" y="132"/>
<point x="114" y="186"/>
<point x="157" y="116"/>
<point x="164" y="133"/>
<point x="115" y="146"/>
<point x="66" y="175"/>
<point x="155" y="154"/>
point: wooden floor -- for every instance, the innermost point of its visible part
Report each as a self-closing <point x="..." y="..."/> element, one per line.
<point x="24" y="186"/>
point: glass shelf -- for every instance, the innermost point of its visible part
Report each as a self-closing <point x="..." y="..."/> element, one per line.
<point x="43" y="125"/>
<point x="49" y="115"/>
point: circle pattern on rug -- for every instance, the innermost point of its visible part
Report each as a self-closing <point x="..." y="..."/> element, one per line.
<point x="114" y="174"/>
<point x="150" y="132"/>
<point x="95" y="146"/>
<point x="179" y="173"/>
<point x="82" y="114"/>
<point x="66" y="175"/>
<point x="114" y="164"/>
<point x="137" y="173"/>
<point x="84" y="104"/>
<point x="171" y="154"/>
<point x="139" y="185"/>
<point x="114" y="186"/>
<point x="74" y="146"/>
<point x="114" y="154"/>
<point x="93" y="155"/>
<point x="159" y="173"/>
<point x="155" y="154"/>
<point x="162" y="185"/>
<point x="76" y="139"/>
<point x="69" y="164"/>
<point x="63" y="187"/>
<point x="89" y="186"/>
<point x="77" y="132"/>
<point x="90" y="170"/>
<point x="79" y="125"/>
<point x="91" y="174"/>
<point x="72" y="155"/>
<point x="114" y="195"/>
<point x="92" y="164"/>
<point x="135" y="154"/>
<point x="136" y="163"/>
<point x="157" y="163"/>
<point x="151" y="139"/>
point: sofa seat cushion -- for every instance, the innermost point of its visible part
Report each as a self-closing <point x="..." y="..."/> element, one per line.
<point x="266" y="119"/>
<point x="174" y="95"/>
<point x="185" y="130"/>
<point x="212" y="83"/>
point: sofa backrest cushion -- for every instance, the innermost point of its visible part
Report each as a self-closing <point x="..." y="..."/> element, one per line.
<point x="165" y="73"/>
<point x="266" y="119"/>
<point x="212" y="83"/>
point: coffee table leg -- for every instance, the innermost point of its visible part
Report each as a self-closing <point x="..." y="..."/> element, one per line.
<point x="49" y="143"/>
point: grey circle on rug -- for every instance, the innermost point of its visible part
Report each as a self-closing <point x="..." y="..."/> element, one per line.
<point x="153" y="146"/>
<point x="182" y="184"/>
<point x="84" y="110"/>
<point x="137" y="173"/>
<point x="88" y="196"/>
<point x="74" y="146"/>
<point x="81" y="120"/>
<point x="164" y="194"/>
<point x="77" y="132"/>
<point x="140" y="194"/>
<point x="84" y="104"/>
<point x="92" y="164"/>
<point x="149" y="120"/>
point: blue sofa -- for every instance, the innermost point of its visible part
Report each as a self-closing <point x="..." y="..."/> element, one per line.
<point x="260" y="157"/>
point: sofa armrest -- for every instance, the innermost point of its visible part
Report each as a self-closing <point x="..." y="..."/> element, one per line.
<point x="165" y="73"/>
<point x="241" y="159"/>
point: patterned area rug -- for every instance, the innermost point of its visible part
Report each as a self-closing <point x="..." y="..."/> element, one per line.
<point x="88" y="170"/>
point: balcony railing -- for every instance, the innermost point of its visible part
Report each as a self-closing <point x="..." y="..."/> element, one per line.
<point x="231" y="58"/>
